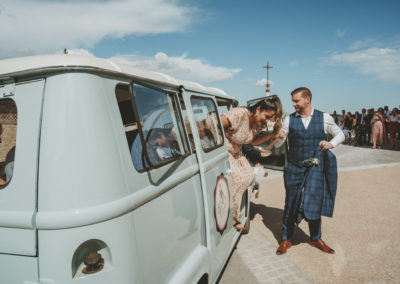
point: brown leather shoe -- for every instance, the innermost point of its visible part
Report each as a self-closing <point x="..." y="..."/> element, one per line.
<point x="322" y="246"/>
<point x="283" y="247"/>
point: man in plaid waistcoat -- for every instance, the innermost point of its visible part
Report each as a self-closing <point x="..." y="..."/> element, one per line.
<point x="310" y="192"/>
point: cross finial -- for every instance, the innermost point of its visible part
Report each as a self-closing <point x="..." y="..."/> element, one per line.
<point x="267" y="85"/>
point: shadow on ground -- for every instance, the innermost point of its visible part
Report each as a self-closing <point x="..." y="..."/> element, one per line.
<point x="272" y="219"/>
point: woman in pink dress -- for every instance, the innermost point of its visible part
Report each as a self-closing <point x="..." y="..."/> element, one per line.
<point x="378" y="129"/>
<point x="242" y="126"/>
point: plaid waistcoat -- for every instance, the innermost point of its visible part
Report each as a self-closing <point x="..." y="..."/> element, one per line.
<point x="321" y="184"/>
<point x="303" y="142"/>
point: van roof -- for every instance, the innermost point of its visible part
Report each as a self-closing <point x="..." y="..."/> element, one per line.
<point x="33" y="65"/>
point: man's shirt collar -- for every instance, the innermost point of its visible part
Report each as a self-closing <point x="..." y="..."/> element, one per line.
<point x="311" y="114"/>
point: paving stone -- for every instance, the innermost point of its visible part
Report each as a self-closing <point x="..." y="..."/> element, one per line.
<point x="259" y="256"/>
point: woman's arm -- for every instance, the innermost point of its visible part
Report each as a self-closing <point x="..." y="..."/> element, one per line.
<point x="261" y="139"/>
<point x="225" y="122"/>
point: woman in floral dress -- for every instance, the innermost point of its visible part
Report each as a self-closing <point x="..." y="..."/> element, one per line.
<point x="242" y="126"/>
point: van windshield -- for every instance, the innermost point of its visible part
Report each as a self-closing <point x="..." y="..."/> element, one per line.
<point x="8" y="134"/>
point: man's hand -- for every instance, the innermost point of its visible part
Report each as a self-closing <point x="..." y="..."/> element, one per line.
<point x="325" y="145"/>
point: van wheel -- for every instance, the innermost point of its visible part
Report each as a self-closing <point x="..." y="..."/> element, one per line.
<point x="246" y="228"/>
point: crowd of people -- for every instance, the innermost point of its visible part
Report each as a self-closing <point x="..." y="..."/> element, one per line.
<point x="370" y="127"/>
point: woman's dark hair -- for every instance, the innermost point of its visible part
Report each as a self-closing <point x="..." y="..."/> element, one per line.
<point x="270" y="103"/>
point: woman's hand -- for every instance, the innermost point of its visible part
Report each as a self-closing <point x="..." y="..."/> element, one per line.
<point x="281" y="134"/>
<point x="265" y="154"/>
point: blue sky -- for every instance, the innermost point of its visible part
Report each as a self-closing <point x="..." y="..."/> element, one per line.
<point x="346" y="52"/>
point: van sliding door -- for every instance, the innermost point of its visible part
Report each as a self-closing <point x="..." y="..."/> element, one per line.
<point x="212" y="155"/>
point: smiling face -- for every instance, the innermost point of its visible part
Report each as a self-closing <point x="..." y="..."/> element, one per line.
<point x="263" y="116"/>
<point x="300" y="103"/>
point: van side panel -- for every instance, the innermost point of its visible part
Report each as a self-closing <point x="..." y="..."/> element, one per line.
<point x="79" y="158"/>
<point x="168" y="230"/>
<point x="18" y="269"/>
<point x="57" y="249"/>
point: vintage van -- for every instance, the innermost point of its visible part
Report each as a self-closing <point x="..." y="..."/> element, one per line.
<point x="108" y="175"/>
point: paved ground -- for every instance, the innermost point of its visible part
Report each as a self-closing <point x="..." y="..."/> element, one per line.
<point x="364" y="230"/>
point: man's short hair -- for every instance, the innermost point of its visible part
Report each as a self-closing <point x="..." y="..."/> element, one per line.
<point x="305" y="92"/>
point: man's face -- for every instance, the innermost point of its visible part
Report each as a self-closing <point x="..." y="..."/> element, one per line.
<point x="363" y="111"/>
<point x="300" y="102"/>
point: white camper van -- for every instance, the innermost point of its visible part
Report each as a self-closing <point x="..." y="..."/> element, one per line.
<point x="110" y="174"/>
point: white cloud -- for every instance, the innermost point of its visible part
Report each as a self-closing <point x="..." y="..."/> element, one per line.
<point x="340" y="33"/>
<point x="180" y="67"/>
<point x="263" y="82"/>
<point x="80" y="51"/>
<point x="294" y="63"/>
<point x="382" y="63"/>
<point x="359" y="44"/>
<point x="43" y="26"/>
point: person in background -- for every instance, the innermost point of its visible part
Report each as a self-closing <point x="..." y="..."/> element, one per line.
<point x="335" y="117"/>
<point x="356" y="127"/>
<point x="306" y="130"/>
<point x="398" y="126"/>
<point x="386" y="112"/>
<point x="378" y="129"/>
<point x="345" y="131"/>
<point x="368" y="124"/>
<point x="343" y="115"/>
<point x="348" y="124"/>
<point x="242" y="126"/>
<point x="363" y="128"/>
<point x="393" y="120"/>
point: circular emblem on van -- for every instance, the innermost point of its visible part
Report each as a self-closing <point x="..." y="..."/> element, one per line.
<point x="221" y="203"/>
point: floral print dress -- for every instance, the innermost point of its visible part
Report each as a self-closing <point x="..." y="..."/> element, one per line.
<point x="238" y="134"/>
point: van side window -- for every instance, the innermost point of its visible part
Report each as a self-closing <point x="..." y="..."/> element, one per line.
<point x="207" y="121"/>
<point x="161" y="124"/>
<point x="8" y="135"/>
<point x="162" y="127"/>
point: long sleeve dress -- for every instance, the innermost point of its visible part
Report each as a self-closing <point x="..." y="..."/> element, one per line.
<point x="378" y="130"/>
<point x="238" y="134"/>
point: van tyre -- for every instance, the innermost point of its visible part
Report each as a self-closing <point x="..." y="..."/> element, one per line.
<point x="246" y="228"/>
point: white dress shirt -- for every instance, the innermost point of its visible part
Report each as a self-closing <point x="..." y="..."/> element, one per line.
<point x="330" y="127"/>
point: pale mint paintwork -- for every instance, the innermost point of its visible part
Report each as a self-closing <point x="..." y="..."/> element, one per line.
<point x="156" y="226"/>
<point x="18" y="199"/>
